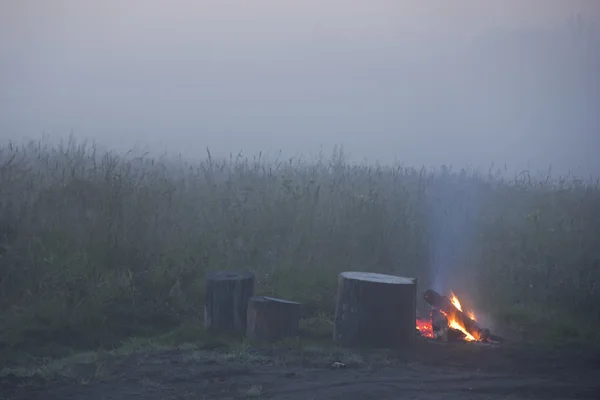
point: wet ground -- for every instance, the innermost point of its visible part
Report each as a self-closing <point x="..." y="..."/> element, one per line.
<point x="428" y="371"/>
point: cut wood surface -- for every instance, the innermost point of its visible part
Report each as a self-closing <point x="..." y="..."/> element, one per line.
<point x="375" y="310"/>
<point x="271" y="319"/>
<point x="226" y="300"/>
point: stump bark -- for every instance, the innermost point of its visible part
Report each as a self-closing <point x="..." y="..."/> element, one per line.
<point x="375" y="310"/>
<point x="271" y="319"/>
<point x="226" y="300"/>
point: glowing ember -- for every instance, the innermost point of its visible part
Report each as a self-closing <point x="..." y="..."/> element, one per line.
<point x="425" y="328"/>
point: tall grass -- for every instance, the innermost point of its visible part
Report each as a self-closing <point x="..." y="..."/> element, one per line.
<point x="97" y="246"/>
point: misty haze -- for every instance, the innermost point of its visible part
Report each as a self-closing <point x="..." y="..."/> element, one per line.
<point x="287" y="199"/>
<point x="422" y="83"/>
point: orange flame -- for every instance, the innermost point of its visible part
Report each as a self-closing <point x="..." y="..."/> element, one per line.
<point x="455" y="301"/>
<point x="425" y="328"/>
<point x="455" y="323"/>
<point x="471" y="315"/>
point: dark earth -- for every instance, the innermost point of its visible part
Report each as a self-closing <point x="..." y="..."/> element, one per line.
<point x="427" y="371"/>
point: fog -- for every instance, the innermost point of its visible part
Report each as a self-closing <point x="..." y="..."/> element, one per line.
<point x="466" y="82"/>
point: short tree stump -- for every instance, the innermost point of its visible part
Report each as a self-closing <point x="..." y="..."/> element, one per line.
<point x="375" y="310"/>
<point x="271" y="319"/>
<point x="226" y="300"/>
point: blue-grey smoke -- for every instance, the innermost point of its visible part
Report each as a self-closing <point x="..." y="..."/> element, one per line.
<point x="452" y="204"/>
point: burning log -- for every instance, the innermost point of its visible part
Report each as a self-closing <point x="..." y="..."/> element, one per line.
<point x="439" y="325"/>
<point x="375" y="310"/>
<point x="445" y="305"/>
<point x="226" y="300"/>
<point x="436" y="327"/>
<point x="271" y="319"/>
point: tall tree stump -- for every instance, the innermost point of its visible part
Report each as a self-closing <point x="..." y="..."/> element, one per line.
<point x="271" y="319"/>
<point x="226" y="300"/>
<point x="375" y="310"/>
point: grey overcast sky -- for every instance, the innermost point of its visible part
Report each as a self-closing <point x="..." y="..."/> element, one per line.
<point x="424" y="82"/>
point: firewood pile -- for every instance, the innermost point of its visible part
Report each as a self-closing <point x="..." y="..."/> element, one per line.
<point x="448" y="322"/>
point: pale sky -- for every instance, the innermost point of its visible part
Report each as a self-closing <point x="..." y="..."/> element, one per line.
<point x="424" y="82"/>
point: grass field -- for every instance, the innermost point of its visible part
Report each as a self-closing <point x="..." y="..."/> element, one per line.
<point x="98" y="247"/>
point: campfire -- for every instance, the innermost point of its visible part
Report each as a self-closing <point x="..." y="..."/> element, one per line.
<point x="447" y="321"/>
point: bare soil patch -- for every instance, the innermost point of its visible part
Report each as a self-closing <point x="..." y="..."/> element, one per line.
<point x="429" y="371"/>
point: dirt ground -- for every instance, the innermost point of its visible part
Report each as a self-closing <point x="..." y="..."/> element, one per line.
<point x="428" y="371"/>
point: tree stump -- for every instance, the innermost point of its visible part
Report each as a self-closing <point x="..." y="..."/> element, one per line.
<point x="226" y="300"/>
<point x="271" y="319"/>
<point x="375" y="310"/>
